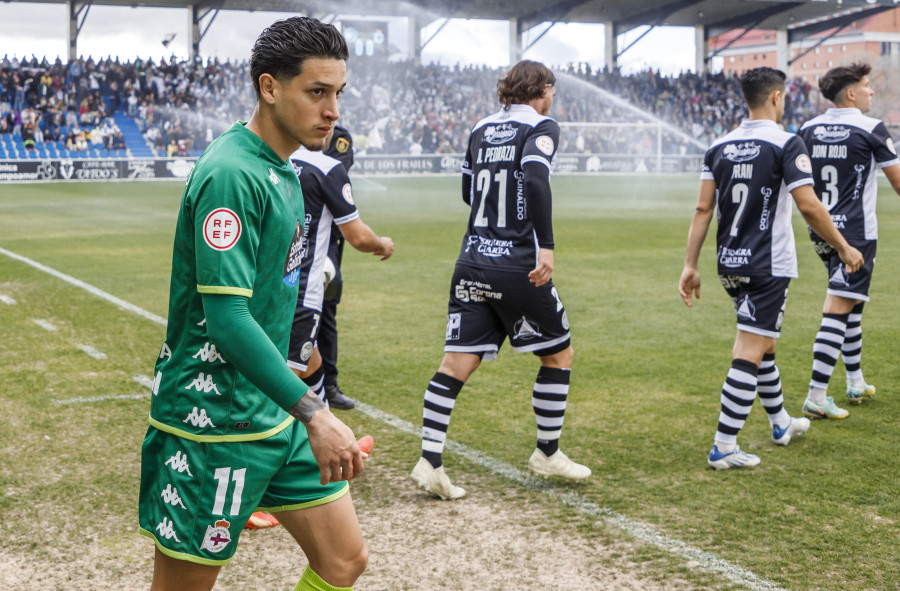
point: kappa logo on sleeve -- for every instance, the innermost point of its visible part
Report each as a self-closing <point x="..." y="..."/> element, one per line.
<point x="221" y="229"/>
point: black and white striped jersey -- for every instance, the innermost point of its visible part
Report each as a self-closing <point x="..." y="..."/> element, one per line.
<point x="754" y="168"/>
<point x="327" y="197"/>
<point x="506" y="175"/>
<point x="847" y="148"/>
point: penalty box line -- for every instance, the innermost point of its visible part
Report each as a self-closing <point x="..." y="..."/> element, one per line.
<point x="637" y="529"/>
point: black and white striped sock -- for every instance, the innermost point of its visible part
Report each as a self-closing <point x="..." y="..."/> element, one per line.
<point x="738" y="394"/>
<point x="852" y="347"/>
<point x="549" y="402"/>
<point x="440" y="397"/>
<point x="769" y="389"/>
<point x="826" y="351"/>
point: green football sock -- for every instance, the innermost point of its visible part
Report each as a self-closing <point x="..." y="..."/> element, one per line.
<point x="310" y="581"/>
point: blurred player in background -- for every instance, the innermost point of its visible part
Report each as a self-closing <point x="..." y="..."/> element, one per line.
<point x="328" y="200"/>
<point x="748" y="177"/>
<point x="341" y="148"/>
<point x="502" y="286"/>
<point x="231" y="427"/>
<point x="847" y="148"/>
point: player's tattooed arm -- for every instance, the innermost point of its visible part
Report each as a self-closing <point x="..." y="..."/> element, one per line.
<point x="306" y="408"/>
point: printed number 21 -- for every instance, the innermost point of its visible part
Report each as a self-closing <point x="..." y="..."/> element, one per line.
<point x="483" y="184"/>
<point x="222" y="476"/>
<point x="739" y="196"/>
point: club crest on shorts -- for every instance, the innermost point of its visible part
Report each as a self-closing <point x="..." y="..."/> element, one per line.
<point x="216" y="537"/>
<point x="306" y="351"/>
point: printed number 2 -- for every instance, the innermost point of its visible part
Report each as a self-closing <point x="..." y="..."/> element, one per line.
<point x="483" y="184"/>
<point x="739" y="196"/>
<point x="830" y="194"/>
<point x="222" y="476"/>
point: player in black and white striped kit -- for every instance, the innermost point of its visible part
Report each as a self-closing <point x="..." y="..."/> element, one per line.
<point x="749" y="176"/>
<point x="327" y="198"/>
<point x="502" y="286"/>
<point x="847" y="148"/>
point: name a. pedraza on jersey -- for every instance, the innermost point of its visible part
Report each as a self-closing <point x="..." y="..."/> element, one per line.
<point x="829" y="151"/>
<point x="498" y="154"/>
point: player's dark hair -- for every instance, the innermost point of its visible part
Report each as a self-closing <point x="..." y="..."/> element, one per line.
<point x="525" y="81"/>
<point x="836" y="80"/>
<point x="281" y="49"/>
<point x="757" y="84"/>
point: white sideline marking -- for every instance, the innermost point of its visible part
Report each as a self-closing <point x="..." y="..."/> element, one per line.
<point x="45" y="325"/>
<point x="80" y="400"/>
<point x="142" y="380"/>
<point x="7" y="300"/>
<point x="92" y="352"/>
<point x="641" y="531"/>
<point x="87" y="287"/>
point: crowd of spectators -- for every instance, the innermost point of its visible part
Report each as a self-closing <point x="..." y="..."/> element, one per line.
<point x="394" y="108"/>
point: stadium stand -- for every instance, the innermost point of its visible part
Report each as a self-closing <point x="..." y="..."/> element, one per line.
<point x="142" y="109"/>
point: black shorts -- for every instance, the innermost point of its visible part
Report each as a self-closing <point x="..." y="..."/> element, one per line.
<point x="304" y="332"/>
<point x="488" y="306"/>
<point x="758" y="301"/>
<point x="851" y="286"/>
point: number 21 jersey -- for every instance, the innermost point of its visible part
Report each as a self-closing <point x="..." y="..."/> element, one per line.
<point x="501" y="232"/>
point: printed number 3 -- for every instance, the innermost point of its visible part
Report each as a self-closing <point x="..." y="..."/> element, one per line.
<point x="830" y="193"/>
<point x="739" y="196"/>
<point x="222" y="476"/>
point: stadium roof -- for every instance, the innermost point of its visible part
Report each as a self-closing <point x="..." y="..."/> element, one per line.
<point x="718" y="16"/>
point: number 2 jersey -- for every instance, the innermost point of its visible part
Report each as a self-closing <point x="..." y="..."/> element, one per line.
<point x="755" y="167"/>
<point x="847" y="148"/>
<point x="511" y="203"/>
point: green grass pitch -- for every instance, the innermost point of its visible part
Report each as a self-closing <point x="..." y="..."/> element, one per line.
<point x="822" y="513"/>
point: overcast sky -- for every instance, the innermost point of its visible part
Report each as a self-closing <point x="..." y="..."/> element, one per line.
<point x="30" y="28"/>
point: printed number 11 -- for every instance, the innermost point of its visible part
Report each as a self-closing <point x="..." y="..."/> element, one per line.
<point x="222" y="477"/>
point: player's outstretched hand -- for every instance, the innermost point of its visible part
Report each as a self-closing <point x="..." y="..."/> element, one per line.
<point x="853" y="259"/>
<point x="335" y="448"/>
<point x="386" y="250"/>
<point x="689" y="285"/>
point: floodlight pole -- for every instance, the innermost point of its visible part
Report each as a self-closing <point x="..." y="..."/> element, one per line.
<point x="75" y="10"/>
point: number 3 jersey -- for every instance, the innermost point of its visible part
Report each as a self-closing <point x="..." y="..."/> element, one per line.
<point x="755" y="167"/>
<point x="847" y="148"/>
<point x="507" y="222"/>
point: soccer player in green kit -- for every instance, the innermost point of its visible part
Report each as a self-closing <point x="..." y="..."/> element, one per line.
<point x="232" y="429"/>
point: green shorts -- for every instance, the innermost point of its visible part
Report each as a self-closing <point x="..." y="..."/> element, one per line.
<point x="196" y="497"/>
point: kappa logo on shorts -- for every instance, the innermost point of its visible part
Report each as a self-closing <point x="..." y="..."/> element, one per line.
<point x="216" y="537"/>
<point x="746" y="310"/>
<point x="221" y="229"/>
<point x="203" y="383"/>
<point x="170" y="496"/>
<point x="166" y="530"/>
<point x="208" y="353"/>
<point x="525" y="330"/>
<point x="179" y="463"/>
